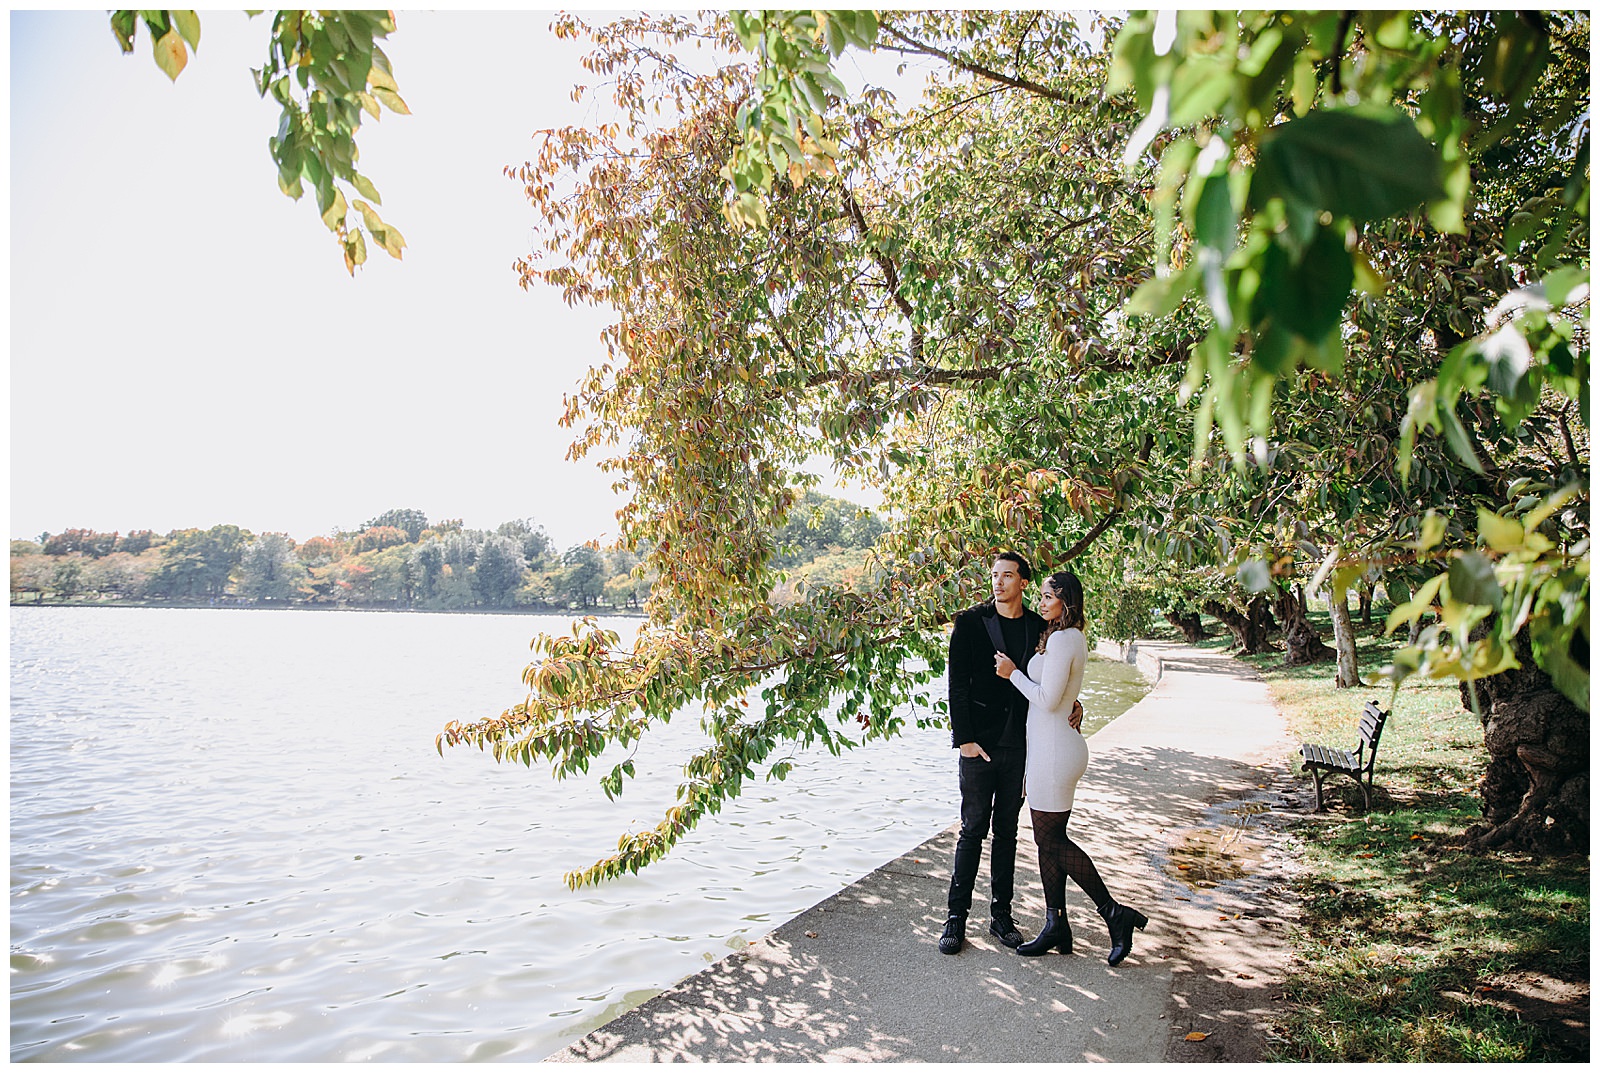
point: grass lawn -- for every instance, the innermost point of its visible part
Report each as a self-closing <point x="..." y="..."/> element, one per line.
<point x="1410" y="949"/>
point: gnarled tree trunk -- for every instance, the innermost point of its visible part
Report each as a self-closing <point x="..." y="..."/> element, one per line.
<point x="1536" y="788"/>
<point x="1186" y="623"/>
<point x="1249" y="628"/>
<point x="1302" y="643"/>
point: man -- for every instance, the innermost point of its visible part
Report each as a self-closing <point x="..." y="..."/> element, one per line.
<point x="988" y="724"/>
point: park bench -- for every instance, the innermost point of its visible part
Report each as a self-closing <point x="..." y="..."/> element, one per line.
<point x="1357" y="763"/>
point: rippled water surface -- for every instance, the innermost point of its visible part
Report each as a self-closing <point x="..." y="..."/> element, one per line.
<point x="232" y="840"/>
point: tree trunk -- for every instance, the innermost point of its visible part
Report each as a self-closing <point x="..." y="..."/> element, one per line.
<point x="1303" y="643"/>
<point x="1249" y="630"/>
<point x="1364" y="602"/>
<point x="1344" y="642"/>
<point x="1186" y="623"/>
<point x="1536" y="788"/>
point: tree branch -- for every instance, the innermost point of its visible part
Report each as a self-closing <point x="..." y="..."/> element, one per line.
<point x="920" y="48"/>
<point x="1111" y="515"/>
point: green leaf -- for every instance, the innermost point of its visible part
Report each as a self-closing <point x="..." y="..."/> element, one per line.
<point x="1254" y="576"/>
<point x="1308" y="298"/>
<point x="1366" y="163"/>
<point x="188" y="24"/>
<point x="1559" y="284"/>
<point x="124" y="24"/>
<point x="1455" y="435"/>
<point x="1215" y="224"/>
<point x="1161" y="296"/>
<point x="1395" y="591"/>
<point x="1472" y="581"/>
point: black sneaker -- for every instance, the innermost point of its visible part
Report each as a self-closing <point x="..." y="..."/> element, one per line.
<point x="955" y="933"/>
<point x="1005" y="929"/>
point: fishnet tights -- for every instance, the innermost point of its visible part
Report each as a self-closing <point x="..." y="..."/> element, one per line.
<point x="1060" y="857"/>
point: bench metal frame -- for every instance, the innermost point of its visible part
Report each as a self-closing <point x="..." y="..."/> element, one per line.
<point x="1357" y="763"/>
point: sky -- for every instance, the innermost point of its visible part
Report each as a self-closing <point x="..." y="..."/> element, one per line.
<point x="186" y="346"/>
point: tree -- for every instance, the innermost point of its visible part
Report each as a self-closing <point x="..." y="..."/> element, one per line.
<point x="960" y="335"/>
<point x="137" y="542"/>
<point x="122" y="575"/>
<point x="881" y="321"/>
<point x="196" y="563"/>
<point x="531" y="537"/>
<point x="269" y="569"/>
<point x="428" y="559"/>
<point x="324" y="68"/>
<point x="1293" y="147"/>
<point x="318" y="551"/>
<point x="30" y="573"/>
<point x="500" y="570"/>
<point x="583" y="575"/>
<point x="410" y="522"/>
<point x="392" y="577"/>
<point x="66" y="580"/>
<point x="84" y="541"/>
<point x="374" y="538"/>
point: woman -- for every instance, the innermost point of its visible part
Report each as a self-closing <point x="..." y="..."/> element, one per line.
<point x="1056" y="759"/>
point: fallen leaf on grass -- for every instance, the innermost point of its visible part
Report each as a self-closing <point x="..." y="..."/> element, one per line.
<point x="1196" y="1037"/>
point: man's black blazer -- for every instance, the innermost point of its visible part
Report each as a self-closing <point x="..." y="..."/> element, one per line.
<point x="981" y="702"/>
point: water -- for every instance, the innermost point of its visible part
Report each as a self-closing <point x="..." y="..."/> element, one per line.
<point x="232" y="840"/>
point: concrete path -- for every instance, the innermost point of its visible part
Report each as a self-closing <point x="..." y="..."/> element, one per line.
<point x="1176" y="809"/>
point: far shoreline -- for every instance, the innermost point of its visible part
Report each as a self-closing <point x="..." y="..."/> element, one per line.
<point x="529" y="612"/>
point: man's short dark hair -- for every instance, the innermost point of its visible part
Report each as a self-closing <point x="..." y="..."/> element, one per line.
<point x="1023" y="568"/>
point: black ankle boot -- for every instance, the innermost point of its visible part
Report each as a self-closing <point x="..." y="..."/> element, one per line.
<point x="1056" y="934"/>
<point x="1121" y="921"/>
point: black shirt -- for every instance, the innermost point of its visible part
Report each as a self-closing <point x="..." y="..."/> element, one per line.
<point x="1014" y="632"/>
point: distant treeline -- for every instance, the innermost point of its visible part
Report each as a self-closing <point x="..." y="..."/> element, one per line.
<point x="399" y="559"/>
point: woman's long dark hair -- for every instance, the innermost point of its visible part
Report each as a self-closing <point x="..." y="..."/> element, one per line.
<point x="1069" y="590"/>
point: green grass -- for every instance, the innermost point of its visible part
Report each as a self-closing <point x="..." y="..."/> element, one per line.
<point x="1401" y="929"/>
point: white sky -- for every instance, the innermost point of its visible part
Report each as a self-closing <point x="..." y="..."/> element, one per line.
<point x="186" y="347"/>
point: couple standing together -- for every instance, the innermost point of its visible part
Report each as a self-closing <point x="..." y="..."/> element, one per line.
<point x="1014" y="714"/>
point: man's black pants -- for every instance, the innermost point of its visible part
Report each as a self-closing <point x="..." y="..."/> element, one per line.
<point x="991" y="795"/>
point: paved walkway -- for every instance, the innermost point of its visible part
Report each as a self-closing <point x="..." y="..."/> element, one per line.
<point x="1174" y="811"/>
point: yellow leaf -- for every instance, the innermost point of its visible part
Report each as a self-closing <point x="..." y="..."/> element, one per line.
<point x="1430" y="532"/>
<point x="171" y="55"/>
<point x="334" y="217"/>
<point x="1196" y="1037"/>
<point x="1501" y="534"/>
<point x="392" y="99"/>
